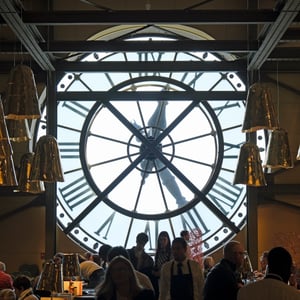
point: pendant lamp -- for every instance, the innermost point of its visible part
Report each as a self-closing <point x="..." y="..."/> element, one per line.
<point x="50" y="280"/>
<point x="46" y="165"/>
<point x="18" y="130"/>
<point x="71" y="267"/>
<point x="25" y="184"/>
<point x="249" y="169"/>
<point x="260" y="112"/>
<point x="21" y="101"/>
<point x="7" y="168"/>
<point x="7" y="172"/>
<point x="278" y="154"/>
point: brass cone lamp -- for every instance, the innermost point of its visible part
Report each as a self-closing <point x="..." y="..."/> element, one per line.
<point x="46" y="165"/>
<point x="3" y="128"/>
<point x="25" y="184"/>
<point x="21" y="101"/>
<point x="260" y="112"/>
<point x="18" y="130"/>
<point x="298" y="155"/>
<point x="249" y="169"/>
<point x="50" y="280"/>
<point x="71" y="267"/>
<point x="278" y="154"/>
<point x="5" y="148"/>
<point x="7" y="172"/>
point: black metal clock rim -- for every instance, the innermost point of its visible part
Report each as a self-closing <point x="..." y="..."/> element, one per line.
<point x="167" y="214"/>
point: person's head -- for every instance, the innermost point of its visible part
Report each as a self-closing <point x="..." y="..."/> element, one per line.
<point x="103" y="250"/>
<point x="88" y="255"/>
<point x="208" y="262"/>
<point x="96" y="258"/>
<point x="58" y="258"/>
<point x="141" y="239"/>
<point x="234" y="252"/>
<point x="185" y="234"/>
<point x="264" y="260"/>
<point x="179" y="247"/>
<point x="2" y="266"/>
<point x="280" y="262"/>
<point x="119" y="274"/>
<point x="7" y="294"/>
<point x="163" y="241"/>
<point x="20" y="284"/>
<point x="117" y="251"/>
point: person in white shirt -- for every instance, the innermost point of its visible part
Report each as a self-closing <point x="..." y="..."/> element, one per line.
<point x="181" y="278"/>
<point x="275" y="284"/>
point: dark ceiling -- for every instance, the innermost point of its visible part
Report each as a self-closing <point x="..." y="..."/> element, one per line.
<point x="33" y="32"/>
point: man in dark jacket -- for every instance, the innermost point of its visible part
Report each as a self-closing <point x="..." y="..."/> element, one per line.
<point x="223" y="281"/>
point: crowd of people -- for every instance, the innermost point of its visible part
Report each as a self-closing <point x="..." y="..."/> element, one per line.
<point x="116" y="273"/>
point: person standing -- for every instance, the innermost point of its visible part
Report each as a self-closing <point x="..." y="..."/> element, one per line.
<point x="224" y="281"/>
<point x="185" y="234"/>
<point x="275" y="284"/>
<point x="6" y="281"/>
<point x="163" y="254"/>
<point x="141" y="261"/>
<point x="181" y="278"/>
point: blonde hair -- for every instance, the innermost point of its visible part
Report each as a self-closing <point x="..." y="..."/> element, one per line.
<point x="107" y="288"/>
<point x="7" y="294"/>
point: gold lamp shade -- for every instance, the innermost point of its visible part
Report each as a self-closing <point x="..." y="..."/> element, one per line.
<point x="46" y="165"/>
<point x="71" y="267"/>
<point x="5" y="148"/>
<point x="3" y="127"/>
<point x="260" y="112"/>
<point x="278" y="154"/>
<point x="298" y="155"/>
<point x="21" y="101"/>
<point x="7" y="172"/>
<point x="51" y="279"/>
<point x="25" y="184"/>
<point x="18" y="130"/>
<point x="249" y="169"/>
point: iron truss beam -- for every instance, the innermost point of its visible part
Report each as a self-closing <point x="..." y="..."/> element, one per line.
<point x="274" y="34"/>
<point x="153" y="66"/>
<point x="139" y="46"/>
<point x="24" y="34"/>
<point x="149" y="96"/>
<point x="94" y="17"/>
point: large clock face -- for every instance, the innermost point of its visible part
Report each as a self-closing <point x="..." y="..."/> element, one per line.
<point x="144" y="164"/>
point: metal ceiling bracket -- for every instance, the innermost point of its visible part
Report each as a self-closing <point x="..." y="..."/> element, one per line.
<point x="25" y="35"/>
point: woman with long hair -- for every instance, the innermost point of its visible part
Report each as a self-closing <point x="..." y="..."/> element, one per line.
<point x="163" y="254"/>
<point x="121" y="283"/>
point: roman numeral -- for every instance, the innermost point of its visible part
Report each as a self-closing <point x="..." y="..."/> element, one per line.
<point x="106" y="225"/>
<point x="76" y="192"/>
<point x="69" y="150"/>
<point x="192" y="221"/>
<point x="224" y="195"/>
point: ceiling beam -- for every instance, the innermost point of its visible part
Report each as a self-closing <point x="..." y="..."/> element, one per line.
<point x="96" y="17"/>
<point x="274" y="34"/>
<point x="152" y="66"/>
<point x="232" y="46"/>
<point x="24" y="34"/>
<point x="149" y="96"/>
